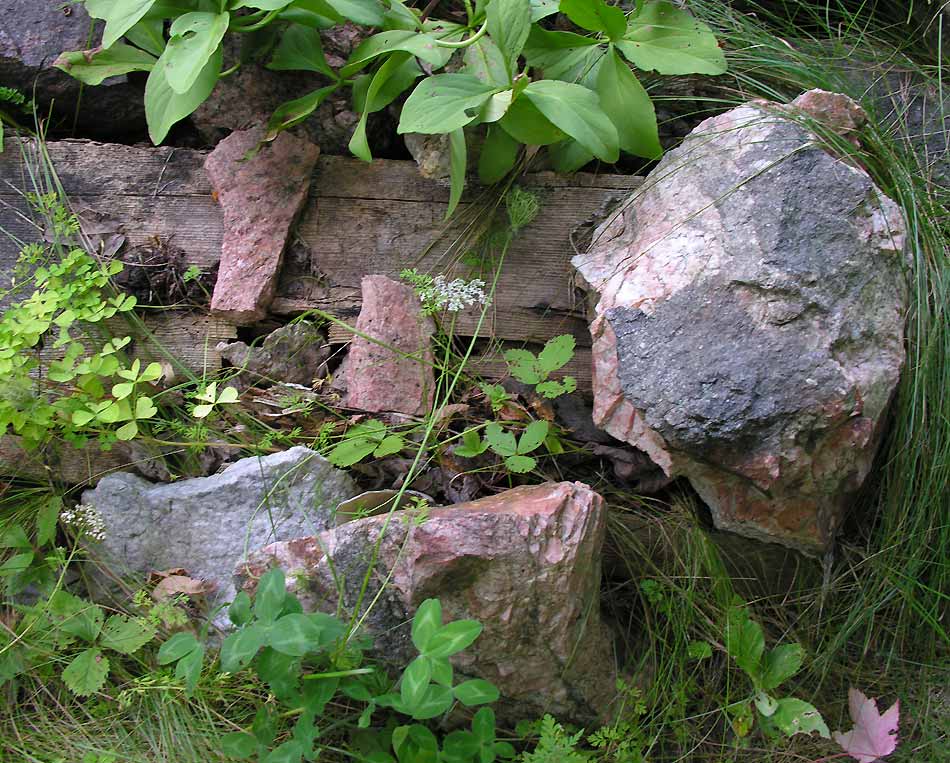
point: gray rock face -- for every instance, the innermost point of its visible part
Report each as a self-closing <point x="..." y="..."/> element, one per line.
<point x="207" y="524"/>
<point x="32" y="34"/>
<point x="749" y="329"/>
<point x="294" y="354"/>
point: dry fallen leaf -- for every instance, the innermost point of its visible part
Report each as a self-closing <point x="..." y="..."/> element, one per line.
<point x="174" y="582"/>
<point x="874" y="735"/>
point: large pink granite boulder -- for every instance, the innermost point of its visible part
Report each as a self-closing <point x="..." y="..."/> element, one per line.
<point x="748" y="321"/>
<point x="525" y="563"/>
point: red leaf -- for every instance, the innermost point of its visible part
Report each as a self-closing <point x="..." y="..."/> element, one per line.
<point x="874" y="735"/>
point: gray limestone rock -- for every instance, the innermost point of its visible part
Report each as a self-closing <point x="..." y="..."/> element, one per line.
<point x="206" y="524"/>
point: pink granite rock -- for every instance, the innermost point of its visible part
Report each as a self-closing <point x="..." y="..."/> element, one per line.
<point x="748" y="326"/>
<point x="377" y="375"/>
<point x="260" y="198"/>
<point x="525" y="563"/>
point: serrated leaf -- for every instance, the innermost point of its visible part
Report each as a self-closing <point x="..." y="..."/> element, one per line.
<point x="500" y="441"/>
<point x="520" y="464"/>
<point x="472" y="444"/>
<point x="556" y="353"/>
<point x="444" y="103"/>
<point x="389" y="445"/>
<point x="87" y="672"/>
<point x="238" y="744"/>
<point x="351" y="450"/>
<point x="126" y="635"/>
<point x="668" y="40"/>
<point x="780" y="664"/>
<point x="523" y="365"/>
<point x="74" y="616"/>
<point x="426" y="622"/>
<point x="532" y="437"/>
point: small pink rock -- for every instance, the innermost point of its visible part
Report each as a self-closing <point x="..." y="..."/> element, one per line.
<point x="377" y="374"/>
<point x="525" y="563"/>
<point x="260" y="198"/>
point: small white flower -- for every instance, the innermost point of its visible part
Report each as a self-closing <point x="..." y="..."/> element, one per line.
<point x="458" y="294"/>
<point x="85" y="520"/>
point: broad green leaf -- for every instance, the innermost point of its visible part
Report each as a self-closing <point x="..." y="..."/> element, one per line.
<point x="442" y="672"/>
<point x="240" y="610"/>
<point x="780" y="664"/>
<point x="458" y="165"/>
<point x="293" y="112"/>
<point x="436" y="701"/>
<point x="562" y="55"/>
<point x="498" y="156"/>
<point x="164" y="107"/>
<point x="288" y="752"/>
<point x="177" y="647"/>
<point x="46" y="519"/>
<point x="264" y="727"/>
<point x="460" y="747"/>
<point x="443" y="103"/>
<point x="93" y="66"/>
<point x="556" y="353"/>
<point x="238" y="744"/>
<point x="263" y="5"/>
<point x="359" y="145"/>
<point x="496" y="107"/>
<point x="476" y="692"/>
<point x="188" y="669"/>
<point x="119" y="15"/>
<point x="365" y="12"/>
<point x="453" y="638"/>
<point x="297" y="15"/>
<point x="194" y="39"/>
<point x="527" y="125"/>
<point x="624" y="100"/>
<point x="551" y="388"/>
<point x="795" y="716"/>
<point x="16" y="564"/>
<point x="127" y="431"/>
<point x="596" y="16"/>
<point x="426" y="622"/>
<point x="765" y="704"/>
<point x="145" y="408"/>
<point x="74" y="616"/>
<point x="398" y="82"/>
<point x="472" y="444"/>
<point x="744" y="641"/>
<point x="532" y="437"/>
<point x="543" y="8"/>
<point x="126" y="635"/>
<point x="294" y="635"/>
<point x="228" y="395"/>
<point x="500" y="441"/>
<point x="668" y="40"/>
<point x="415" y="682"/>
<point x="149" y="35"/>
<point x="520" y="464"/>
<point x="271" y="592"/>
<point x="485" y="61"/>
<point x="483" y="725"/>
<point x="420" y="45"/>
<point x="281" y="672"/>
<point x="509" y="22"/>
<point x="576" y="110"/>
<point x="14" y="536"/>
<point x="87" y="672"/>
<point x="240" y="647"/>
<point x="351" y="450"/>
<point x="300" y="49"/>
<point x="389" y="445"/>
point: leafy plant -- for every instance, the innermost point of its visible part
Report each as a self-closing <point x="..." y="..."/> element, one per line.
<point x="745" y="643"/>
<point x="514" y="450"/>
<point x="529" y="368"/>
<point x="306" y="661"/>
<point x="528" y="85"/>
<point x="366" y="438"/>
<point x="12" y="102"/>
<point x="210" y="398"/>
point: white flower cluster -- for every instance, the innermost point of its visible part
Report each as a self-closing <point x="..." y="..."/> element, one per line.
<point x="85" y="520"/>
<point x="456" y="295"/>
